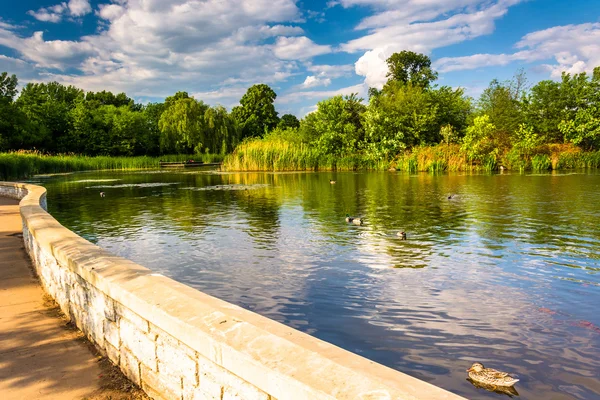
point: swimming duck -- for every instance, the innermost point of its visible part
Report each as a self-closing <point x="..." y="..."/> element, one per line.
<point x="489" y="376"/>
<point x="332" y="182"/>
<point x="102" y="194"/>
<point x="354" y="220"/>
<point x="401" y="235"/>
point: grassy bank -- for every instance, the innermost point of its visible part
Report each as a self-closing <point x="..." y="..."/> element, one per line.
<point x="279" y="155"/>
<point x="18" y="165"/>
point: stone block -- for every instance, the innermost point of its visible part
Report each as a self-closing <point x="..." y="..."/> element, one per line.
<point x="129" y="365"/>
<point x="174" y="359"/>
<point x="169" y="387"/>
<point x="111" y="333"/>
<point x="142" y="345"/>
<point x="124" y="312"/>
<point x="112" y="353"/>
<point x="235" y="386"/>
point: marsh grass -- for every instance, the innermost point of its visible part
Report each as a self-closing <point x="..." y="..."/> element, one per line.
<point x="280" y="155"/>
<point x="24" y="164"/>
<point x="275" y="154"/>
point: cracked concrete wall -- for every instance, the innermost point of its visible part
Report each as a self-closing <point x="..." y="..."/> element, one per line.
<point x="178" y="343"/>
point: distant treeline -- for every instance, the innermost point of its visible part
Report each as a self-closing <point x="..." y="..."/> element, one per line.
<point x="57" y="119"/>
<point x="511" y="124"/>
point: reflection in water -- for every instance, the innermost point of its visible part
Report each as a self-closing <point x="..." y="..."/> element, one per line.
<point x="504" y="272"/>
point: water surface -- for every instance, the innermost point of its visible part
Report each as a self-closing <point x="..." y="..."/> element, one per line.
<point x="506" y="272"/>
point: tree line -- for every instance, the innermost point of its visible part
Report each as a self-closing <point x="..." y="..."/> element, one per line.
<point x="54" y="118"/>
<point x="509" y="119"/>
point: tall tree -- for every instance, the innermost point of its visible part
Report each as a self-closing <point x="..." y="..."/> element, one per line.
<point x="182" y="126"/>
<point x="256" y="114"/>
<point x="11" y="119"/>
<point x="411" y="67"/>
<point x="288" y="121"/>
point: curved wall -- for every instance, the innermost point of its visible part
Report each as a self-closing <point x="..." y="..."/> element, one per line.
<point x="179" y="343"/>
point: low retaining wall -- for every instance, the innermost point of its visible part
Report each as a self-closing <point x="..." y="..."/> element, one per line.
<point x="179" y="343"/>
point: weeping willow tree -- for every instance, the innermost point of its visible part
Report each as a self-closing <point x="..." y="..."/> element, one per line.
<point x="182" y="126"/>
<point x="222" y="131"/>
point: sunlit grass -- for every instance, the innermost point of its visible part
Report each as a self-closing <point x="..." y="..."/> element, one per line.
<point x="23" y="164"/>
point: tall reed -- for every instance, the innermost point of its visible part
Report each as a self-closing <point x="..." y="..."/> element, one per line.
<point x="23" y="164"/>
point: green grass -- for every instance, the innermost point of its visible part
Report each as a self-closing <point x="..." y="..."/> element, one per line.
<point x="18" y="165"/>
<point x="276" y="154"/>
<point x="280" y="155"/>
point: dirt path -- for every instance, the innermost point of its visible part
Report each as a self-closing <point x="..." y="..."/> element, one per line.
<point x="41" y="355"/>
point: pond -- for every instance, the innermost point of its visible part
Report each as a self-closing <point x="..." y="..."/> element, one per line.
<point x="505" y="272"/>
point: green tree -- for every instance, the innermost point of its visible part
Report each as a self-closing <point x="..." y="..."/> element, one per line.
<point x="452" y="108"/>
<point x="288" y="121"/>
<point x="335" y="127"/>
<point x="411" y="67"/>
<point x="584" y="129"/>
<point x="256" y="114"/>
<point x="400" y="117"/>
<point x="477" y="142"/>
<point x="504" y="112"/>
<point x="12" y="120"/>
<point x="106" y="98"/>
<point x="47" y="107"/>
<point x="222" y="130"/>
<point x="182" y="126"/>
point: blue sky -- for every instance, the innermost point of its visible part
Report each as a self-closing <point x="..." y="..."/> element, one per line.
<point x="305" y="50"/>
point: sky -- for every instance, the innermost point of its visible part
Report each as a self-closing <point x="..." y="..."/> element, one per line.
<point x="305" y="50"/>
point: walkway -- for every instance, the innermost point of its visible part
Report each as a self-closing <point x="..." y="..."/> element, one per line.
<point x="40" y="357"/>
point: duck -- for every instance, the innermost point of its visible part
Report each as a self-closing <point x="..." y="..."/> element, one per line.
<point x="354" y="220"/>
<point x="489" y="376"/>
<point x="102" y="194"/>
<point x="401" y="235"/>
<point x="450" y="197"/>
<point x="332" y="182"/>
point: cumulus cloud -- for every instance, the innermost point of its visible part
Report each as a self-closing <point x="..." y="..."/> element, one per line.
<point x="298" y="48"/>
<point x="417" y="25"/>
<point x="574" y="49"/>
<point x="295" y="97"/>
<point x="55" y="14"/>
<point x="313" y="81"/>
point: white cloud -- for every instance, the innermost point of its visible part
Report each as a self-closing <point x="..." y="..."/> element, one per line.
<point x="55" y="14"/>
<point x="298" y="48"/>
<point x="295" y="97"/>
<point x="420" y="26"/>
<point x="79" y="8"/>
<point x="574" y="48"/>
<point x="313" y="81"/>
<point x="331" y="71"/>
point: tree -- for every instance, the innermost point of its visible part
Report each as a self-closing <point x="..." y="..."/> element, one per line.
<point x="11" y="119"/>
<point x="288" y="121"/>
<point x="411" y="67"/>
<point x="503" y="110"/>
<point x="336" y="127"/>
<point x="400" y="117"/>
<point x="452" y="108"/>
<point x="476" y="142"/>
<point x="584" y="129"/>
<point x="182" y="126"/>
<point x="222" y="130"/>
<point x="256" y="114"/>
<point x="47" y="107"/>
<point x="106" y="98"/>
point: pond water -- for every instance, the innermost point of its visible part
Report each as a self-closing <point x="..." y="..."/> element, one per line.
<point x="506" y="272"/>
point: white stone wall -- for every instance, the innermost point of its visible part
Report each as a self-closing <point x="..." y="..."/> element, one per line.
<point x="178" y="343"/>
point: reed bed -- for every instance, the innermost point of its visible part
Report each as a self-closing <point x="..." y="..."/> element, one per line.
<point x="281" y="155"/>
<point x="24" y="164"/>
